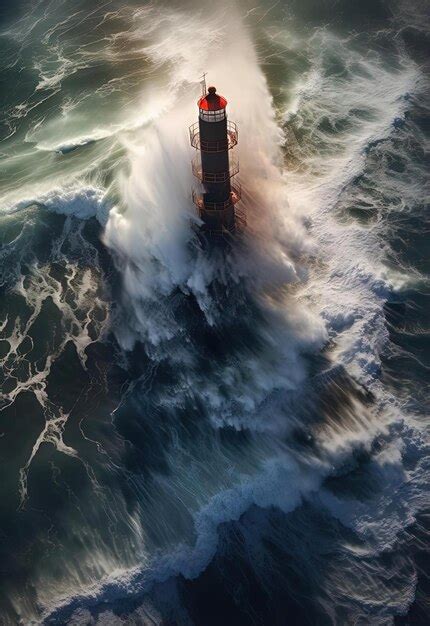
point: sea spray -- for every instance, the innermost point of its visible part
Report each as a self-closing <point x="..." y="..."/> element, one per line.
<point x="151" y="234"/>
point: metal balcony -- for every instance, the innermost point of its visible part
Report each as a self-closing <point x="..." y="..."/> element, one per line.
<point x="202" y="205"/>
<point x="214" y="146"/>
<point x="227" y="232"/>
<point x="213" y="177"/>
<point x="240" y="219"/>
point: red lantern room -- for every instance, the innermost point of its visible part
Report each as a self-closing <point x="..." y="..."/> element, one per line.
<point x="212" y="106"/>
<point x="214" y="136"/>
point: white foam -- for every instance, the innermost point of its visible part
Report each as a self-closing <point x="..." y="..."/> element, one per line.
<point x="150" y="233"/>
<point x="80" y="201"/>
<point x="352" y="283"/>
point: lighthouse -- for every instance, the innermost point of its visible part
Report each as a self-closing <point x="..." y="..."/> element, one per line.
<point x="214" y="137"/>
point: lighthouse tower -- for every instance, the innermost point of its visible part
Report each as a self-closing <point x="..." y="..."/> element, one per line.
<point x="213" y="136"/>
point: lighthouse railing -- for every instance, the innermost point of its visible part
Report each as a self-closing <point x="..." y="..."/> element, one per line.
<point x="240" y="217"/>
<point x="202" y="204"/>
<point x="214" y="177"/>
<point x="214" y="146"/>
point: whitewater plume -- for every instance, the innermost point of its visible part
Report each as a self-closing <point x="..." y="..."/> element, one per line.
<point x="150" y="231"/>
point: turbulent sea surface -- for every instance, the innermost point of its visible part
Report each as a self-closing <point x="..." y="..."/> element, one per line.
<point x="203" y="438"/>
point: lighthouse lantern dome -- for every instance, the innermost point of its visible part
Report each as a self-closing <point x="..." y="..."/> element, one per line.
<point x="212" y="106"/>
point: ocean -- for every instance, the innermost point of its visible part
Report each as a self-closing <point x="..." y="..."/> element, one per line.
<point x="207" y="436"/>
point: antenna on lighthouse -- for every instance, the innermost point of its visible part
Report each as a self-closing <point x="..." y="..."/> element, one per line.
<point x="203" y="84"/>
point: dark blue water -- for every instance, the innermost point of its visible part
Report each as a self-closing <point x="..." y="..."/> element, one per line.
<point x="203" y="437"/>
